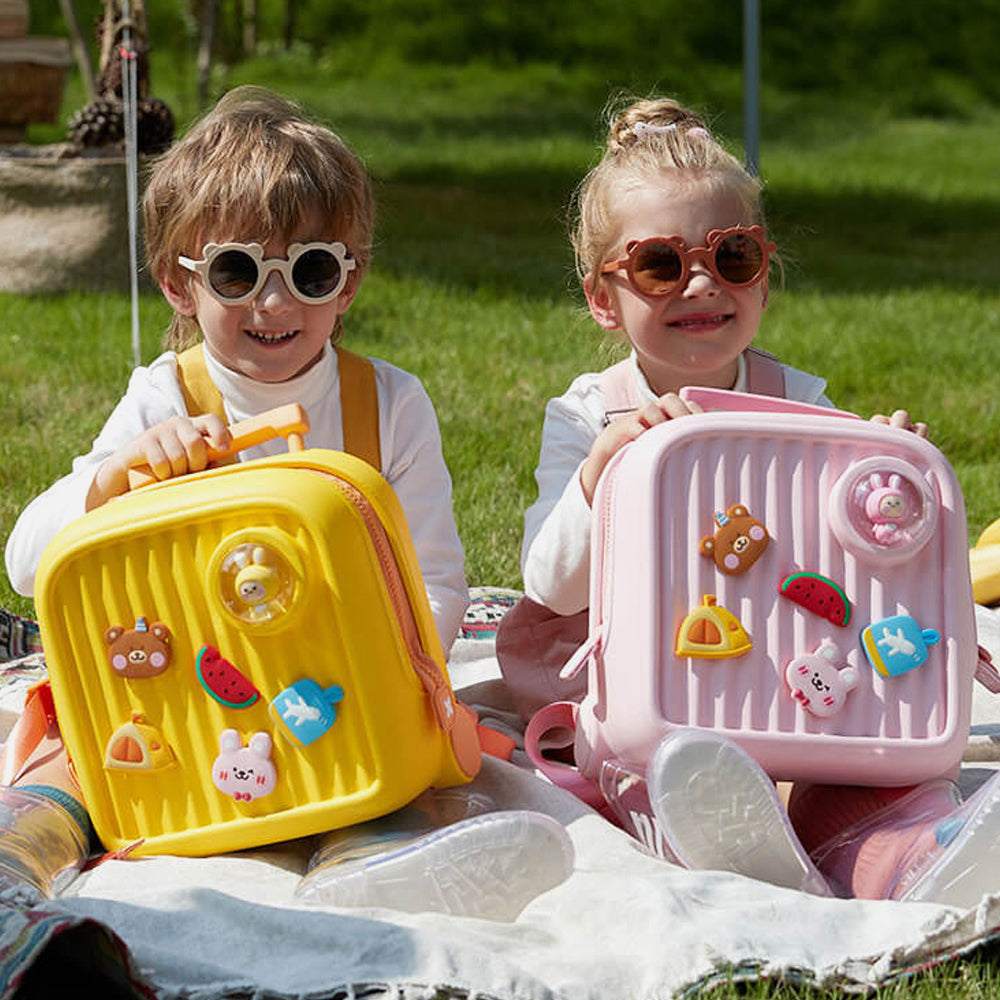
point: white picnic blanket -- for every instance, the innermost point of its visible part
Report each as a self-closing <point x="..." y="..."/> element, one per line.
<point x="624" y="924"/>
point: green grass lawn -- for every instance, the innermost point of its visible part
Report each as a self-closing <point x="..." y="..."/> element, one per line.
<point x="889" y="231"/>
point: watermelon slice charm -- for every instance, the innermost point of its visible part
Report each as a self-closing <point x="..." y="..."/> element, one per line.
<point x="223" y="681"/>
<point x="818" y="594"/>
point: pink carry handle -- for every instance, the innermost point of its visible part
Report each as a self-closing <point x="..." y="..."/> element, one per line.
<point x="561" y="715"/>
<point x="727" y="399"/>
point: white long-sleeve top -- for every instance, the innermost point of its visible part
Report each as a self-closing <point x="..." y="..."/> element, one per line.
<point x="412" y="462"/>
<point x="555" y="554"/>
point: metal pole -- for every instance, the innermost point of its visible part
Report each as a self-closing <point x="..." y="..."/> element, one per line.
<point x="751" y="85"/>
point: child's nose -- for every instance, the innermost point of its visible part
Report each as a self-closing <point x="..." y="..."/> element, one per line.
<point x="701" y="282"/>
<point x="274" y="293"/>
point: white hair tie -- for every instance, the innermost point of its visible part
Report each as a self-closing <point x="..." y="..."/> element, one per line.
<point x="644" y="128"/>
<point x="639" y="129"/>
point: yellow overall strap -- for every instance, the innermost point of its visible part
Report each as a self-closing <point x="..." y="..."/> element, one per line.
<point x="201" y="395"/>
<point x="359" y="407"/>
<point x="199" y="391"/>
<point x="358" y="399"/>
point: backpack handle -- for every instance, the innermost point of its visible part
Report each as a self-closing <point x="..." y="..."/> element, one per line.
<point x="560" y="715"/>
<point x="742" y="402"/>
<point x="289" y="421"/>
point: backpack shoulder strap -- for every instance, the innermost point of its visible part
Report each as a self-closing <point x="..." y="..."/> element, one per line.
<point x="620" y="393"/>
<point x="765" y="376"/>
<point x="358" y="398"/>
<point x="359" y="407"/>
<point x="201" y="395"/>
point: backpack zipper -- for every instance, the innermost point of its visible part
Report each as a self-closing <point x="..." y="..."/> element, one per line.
<point x="424" y="665"/>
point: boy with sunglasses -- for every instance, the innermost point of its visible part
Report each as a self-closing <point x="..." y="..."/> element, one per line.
<point x="672" y="252"/>
<point x="259" y="227"/>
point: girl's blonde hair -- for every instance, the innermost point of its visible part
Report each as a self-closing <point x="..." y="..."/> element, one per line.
<point x="252" y="168"/>
<point x="650" y="138"/>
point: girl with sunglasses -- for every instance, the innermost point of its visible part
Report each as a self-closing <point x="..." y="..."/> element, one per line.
<point x="259" y="226"/>
<point x="673" y="254"/>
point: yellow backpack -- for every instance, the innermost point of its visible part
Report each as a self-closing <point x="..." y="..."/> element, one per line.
<point x="247" y="654"/>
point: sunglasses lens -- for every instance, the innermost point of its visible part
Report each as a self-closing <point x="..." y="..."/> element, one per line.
<point x="656" y="267"/>
<point x="232" y="274"/>
<point x="316" y="273"/>
<point x="739" y="259"/>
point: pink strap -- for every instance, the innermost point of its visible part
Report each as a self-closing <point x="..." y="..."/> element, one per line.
<point x="618" y="386"/>
<point x="560" y="715"/>
<point x="986" y="672"/>
<point x="765" y="376"/>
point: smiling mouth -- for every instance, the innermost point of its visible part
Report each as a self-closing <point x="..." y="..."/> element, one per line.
<point x="695" y="322"/>
<point x="271" y="336"/>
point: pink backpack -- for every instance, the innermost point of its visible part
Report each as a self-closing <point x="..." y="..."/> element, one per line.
<point x="798" y="582"/>
<point x="533" y="642"/>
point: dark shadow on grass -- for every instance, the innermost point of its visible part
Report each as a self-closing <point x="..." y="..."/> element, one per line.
<point x="879" y="241"/>
<point x="576" y="117"/>
<point x="507" y="231"/>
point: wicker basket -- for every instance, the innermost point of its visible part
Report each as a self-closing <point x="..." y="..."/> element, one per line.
<point x="32" y="77"/>
<point x="13" y="18"/>
<point x="69" y="213"/>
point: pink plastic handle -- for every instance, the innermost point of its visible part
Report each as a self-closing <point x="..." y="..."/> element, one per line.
<point x="728" y="399"/>
<point x="560" y="715"/>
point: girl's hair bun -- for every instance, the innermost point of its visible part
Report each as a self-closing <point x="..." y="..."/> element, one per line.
<point x="646" y="119"/>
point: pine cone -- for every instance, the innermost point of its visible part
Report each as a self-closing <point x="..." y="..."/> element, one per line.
<point x="155" y="126"/>
<point x="99" y="123"/>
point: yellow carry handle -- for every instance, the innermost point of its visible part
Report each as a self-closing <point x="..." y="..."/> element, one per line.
<point x="289" y="421"/>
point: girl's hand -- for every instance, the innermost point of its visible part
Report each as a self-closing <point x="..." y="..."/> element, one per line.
<point x="627" y="428"/>
<point x="171" y="448"/>
<point x="900" y="418"/>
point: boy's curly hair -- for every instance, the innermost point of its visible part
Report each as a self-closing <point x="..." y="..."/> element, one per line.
<point x="251" y="168"/>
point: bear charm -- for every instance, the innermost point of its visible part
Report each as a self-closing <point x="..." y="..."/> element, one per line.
<point x="143" y="651"/>
<point x="738" y="542"/>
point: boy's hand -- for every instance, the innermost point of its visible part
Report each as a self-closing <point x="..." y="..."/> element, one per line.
<point x="627" y="428"/>
<point x="171" y="448"/>
<point x="901" y="419"/>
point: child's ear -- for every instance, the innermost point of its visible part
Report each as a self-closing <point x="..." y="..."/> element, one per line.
<point x="179" y="296"/>
<point x="601" y="304"/>
<point x="346" y="297"/>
